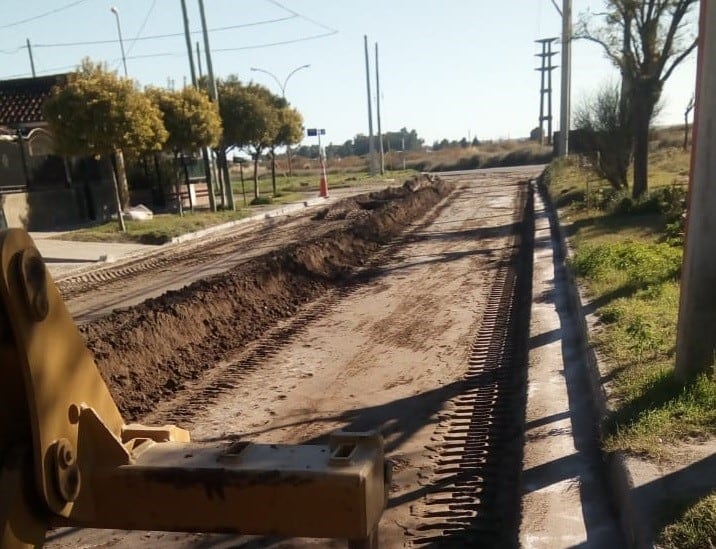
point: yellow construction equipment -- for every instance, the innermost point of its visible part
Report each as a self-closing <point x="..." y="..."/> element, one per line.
<point x="68" y="459"/>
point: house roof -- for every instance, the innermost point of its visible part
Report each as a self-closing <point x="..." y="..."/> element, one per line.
<point x="21" y="100"/>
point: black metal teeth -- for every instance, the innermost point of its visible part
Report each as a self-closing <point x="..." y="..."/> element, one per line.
<point x="471" y="498"/>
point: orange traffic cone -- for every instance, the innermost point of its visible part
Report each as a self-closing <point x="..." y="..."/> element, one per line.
<point x="323" y="189"/>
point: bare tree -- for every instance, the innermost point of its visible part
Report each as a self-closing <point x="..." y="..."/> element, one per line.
<point x="599" y="118"/>
<point x="646" y="40"/>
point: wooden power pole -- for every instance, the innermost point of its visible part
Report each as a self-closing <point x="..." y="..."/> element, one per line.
<point x="696" y="336"/>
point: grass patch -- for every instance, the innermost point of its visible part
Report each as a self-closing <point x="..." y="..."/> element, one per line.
<point x="159" y="230"/>
<point x="305" y="183"/>
<point x="630" y="265"/>
<point x="695" y="528"/>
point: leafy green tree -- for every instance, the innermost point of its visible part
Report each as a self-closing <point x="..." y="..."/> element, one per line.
<point x="646" y="40"/>
<point x="289" y="132"/>
<point x="97" y="113"/>
<point x="191" y="119"/>
<point x="250" y="119"/>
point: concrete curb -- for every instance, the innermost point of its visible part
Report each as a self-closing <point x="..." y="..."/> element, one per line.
<point x="621" y="484"/>
<point x="276" y="212"/>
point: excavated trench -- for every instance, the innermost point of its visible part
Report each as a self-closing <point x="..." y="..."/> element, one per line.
<point x="147" y="353"/>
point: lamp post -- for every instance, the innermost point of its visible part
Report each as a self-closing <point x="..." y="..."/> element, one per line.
<point x="115" y="11"/>
<point x="283" y="94"/>
<point x="280" y="85"/>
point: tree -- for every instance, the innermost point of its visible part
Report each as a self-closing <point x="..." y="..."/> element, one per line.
<point x="646" y="40"/>
<point x="605" y="132"/>
<point x="290" y="132"/>
<point x="97" y="113"/>
<point x="191" y="120"/>
<point x="249" y="117"/>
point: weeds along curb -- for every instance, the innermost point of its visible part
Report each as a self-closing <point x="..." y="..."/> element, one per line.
<point x="621" y="484"/>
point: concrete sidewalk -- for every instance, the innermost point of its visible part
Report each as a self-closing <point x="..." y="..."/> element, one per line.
<point x="65" y="256"/>
<point x="565" y="498"/>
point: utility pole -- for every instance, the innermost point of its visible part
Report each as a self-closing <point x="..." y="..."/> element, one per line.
<point x="565" y="108"/>
<point x="187" y="37"/>
<point x="371" y="146"/>
<point x="32" y="61"/>
<point x="198" y="59"/>
<point x="214" y="94"/>
<point x="377" y="112"/>
<point x="696" y="335"/>
<point x="546" y="90"/>
<point x="205" y="153"/>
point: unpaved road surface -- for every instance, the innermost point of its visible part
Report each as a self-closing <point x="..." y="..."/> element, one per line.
<point x="392" y="349"/>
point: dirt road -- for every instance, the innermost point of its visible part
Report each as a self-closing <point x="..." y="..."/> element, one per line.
<point x="390" y="351"/>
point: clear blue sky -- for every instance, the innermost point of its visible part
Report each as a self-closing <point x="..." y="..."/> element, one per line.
<point x="448" y="69"/>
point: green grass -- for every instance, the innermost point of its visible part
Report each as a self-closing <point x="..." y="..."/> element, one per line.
<point x="158" y="230"/>
<point x="303" y="185"/>
<point x="631" y="269"/>
<point x="695" y="528"/>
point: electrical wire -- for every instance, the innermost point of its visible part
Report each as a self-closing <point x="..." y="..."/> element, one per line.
<point x="161" y="36"/>
<point x="304" y="17"/>
<point x="270" y="44"/>
<point x="141" y="27"/>
<point x="40" y="16"/>
<point x="239" y="48"/>
<point x="12" y="52"/>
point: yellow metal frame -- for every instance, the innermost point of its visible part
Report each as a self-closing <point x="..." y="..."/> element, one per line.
<point x="67" y="458"/>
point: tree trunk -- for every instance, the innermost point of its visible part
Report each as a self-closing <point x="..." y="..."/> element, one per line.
<point x="256" y="175"/>
<point x="185" y="169"/>
<point x="227" y="180"/>
<point x="121" y="175"/>
<point x="290" y="161"/>
<point x="273" y="170"/>
<point x="642" y="108"/>
<point x="117" y="199"/>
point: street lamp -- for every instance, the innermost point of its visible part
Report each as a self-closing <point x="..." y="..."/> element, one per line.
<point x="115" y="11"/>
<point x="283" y="94"/>
<point x="282" y="86"/>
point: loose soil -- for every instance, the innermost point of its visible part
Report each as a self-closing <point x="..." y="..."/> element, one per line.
<point x="367" y="329"/>
<point x="146" y="353"/>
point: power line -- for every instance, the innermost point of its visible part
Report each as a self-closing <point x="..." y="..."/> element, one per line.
<point x="304" y="17"/>
<point x="270" y="44"/>
<point x="12" y="52"/>
<point x="40" y="16"/>
<point x="141" y="27"/>
<point x="161" y="36"/>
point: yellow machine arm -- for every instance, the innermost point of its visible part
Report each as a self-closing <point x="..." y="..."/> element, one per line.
<point x="68" y="459"/>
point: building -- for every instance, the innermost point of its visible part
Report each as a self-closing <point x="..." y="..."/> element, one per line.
<point x="38" y="189"/>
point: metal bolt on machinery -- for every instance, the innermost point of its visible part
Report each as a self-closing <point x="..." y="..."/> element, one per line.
<point x="68" y="459"/>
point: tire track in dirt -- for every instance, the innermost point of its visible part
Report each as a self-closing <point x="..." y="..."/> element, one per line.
<point x="198" y="397"/>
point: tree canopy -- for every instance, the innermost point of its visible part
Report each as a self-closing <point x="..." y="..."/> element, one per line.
<point x="646" y="40"/>
<point x="190" y="118"/>
<point x="100" y="114"/>
<point x="96" y="113"/>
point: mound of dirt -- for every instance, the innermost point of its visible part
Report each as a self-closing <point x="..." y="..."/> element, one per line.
<point x="145" y="353"/>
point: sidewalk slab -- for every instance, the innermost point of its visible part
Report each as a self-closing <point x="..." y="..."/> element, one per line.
<point x="65" y="256"/>
<point x="565" y="502"/>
